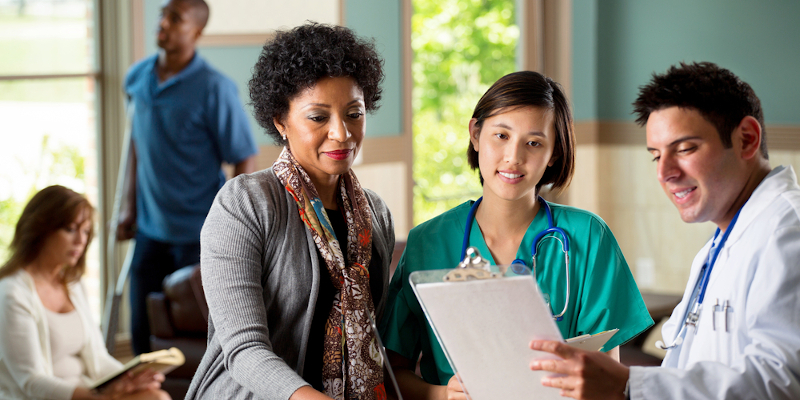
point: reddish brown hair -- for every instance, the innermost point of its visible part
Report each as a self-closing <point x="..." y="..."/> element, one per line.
<point x="52" y="208"/>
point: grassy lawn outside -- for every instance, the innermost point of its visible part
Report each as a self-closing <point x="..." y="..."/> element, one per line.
<point x="48" y="131"/>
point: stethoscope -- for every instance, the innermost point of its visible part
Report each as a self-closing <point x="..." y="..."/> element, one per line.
<point x="696" y="302"/>
<point x="518" y="265"/>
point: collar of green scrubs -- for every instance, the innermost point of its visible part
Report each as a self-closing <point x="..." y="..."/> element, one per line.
<point x="538" y="224"/>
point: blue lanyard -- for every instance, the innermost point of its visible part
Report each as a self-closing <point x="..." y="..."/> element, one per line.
<point x="713" y="252"/>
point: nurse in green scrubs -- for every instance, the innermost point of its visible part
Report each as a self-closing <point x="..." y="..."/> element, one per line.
<point x="521" y="140"/>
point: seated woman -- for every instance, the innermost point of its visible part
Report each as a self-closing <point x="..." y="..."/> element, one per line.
<point x="521" y="140"/>
<point x="49" y="346"/>
<point x="295" y="258"/>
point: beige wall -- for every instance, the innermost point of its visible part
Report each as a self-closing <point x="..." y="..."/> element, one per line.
<point x="258" y="16"/>
<point x="657" y="244"/>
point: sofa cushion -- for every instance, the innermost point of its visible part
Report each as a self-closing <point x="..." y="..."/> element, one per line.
<point x="185" y="311"/>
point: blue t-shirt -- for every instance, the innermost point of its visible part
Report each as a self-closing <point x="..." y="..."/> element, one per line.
<point x="183" y="129"/>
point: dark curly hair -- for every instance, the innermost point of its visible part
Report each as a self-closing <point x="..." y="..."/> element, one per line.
<point x="715" y="92"/>
<point x="296" y="59"/>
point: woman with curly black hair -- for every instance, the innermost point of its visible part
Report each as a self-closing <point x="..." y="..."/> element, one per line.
<point x="295" y="258"/>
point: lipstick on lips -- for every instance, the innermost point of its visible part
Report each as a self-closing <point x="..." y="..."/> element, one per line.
<point x="339" y="154"/>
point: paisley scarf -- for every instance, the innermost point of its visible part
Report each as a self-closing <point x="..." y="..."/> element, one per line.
<point x="352" y="365"/>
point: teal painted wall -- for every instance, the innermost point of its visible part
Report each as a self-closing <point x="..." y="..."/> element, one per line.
<point x="631" y="39"/>
<point x="381" y="20"/>
<point x="584" y="59"/>
<point x="236" y="62"/>
<point x="152" y="10"/>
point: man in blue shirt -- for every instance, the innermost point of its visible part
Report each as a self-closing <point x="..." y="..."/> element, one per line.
<point x="187" y="120"/>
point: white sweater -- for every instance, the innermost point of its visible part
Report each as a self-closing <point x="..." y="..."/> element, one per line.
<point x="26" y="365"/>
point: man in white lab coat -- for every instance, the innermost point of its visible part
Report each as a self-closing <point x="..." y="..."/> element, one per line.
<point x="705" y="131"/>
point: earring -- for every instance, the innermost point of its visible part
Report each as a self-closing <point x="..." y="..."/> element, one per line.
<point x="283" y="135"/>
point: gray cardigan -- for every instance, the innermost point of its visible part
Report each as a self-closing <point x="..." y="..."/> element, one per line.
<point x="261" y="274"/>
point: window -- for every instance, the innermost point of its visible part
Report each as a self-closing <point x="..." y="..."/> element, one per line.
<point x="460" y="48"/>
<point x="48" y="109"/>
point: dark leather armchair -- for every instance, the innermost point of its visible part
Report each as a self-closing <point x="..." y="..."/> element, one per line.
<point x="179" y="318"/>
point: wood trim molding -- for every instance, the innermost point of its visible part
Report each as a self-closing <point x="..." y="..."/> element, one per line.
<point x="586" y="133"/>
<point x="137" y="30"/>
<point x="95" y="75"/>
<point x="114" y="53"/>
<point x="558" y="42"/>
<point x="608" y="133"/>
<point x="545" y="43"/>
<point x="408" y="113"/>
<point x="627" y="133"/>
<point x="783" y="137"/>
<point x="621" y="133"/>
<point x="257" y="39"/>
<point x="531" y="19"/>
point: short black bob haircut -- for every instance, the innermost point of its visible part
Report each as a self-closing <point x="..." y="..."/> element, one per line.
<point x="715" y="92"/>
<point x="296" y="59"/>
<point x="529" y="88"/>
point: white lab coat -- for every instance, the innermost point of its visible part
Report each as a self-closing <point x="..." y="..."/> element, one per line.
<point x="758" y="273"/>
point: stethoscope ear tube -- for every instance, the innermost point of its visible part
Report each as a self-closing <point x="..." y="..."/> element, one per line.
<point x="468" y="228"/>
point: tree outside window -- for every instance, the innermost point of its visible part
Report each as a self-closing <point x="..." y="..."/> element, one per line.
<point x="48" y="81"/>
<point x="460" y="48"/>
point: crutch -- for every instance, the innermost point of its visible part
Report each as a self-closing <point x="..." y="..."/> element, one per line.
<point x="116" y="283"/>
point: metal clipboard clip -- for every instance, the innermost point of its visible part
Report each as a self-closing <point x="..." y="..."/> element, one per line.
<point x="472" y="267"/>
<point x="461" y="305"/>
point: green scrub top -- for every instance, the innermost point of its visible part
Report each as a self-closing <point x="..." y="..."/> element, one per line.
<point x="603" y="294"/>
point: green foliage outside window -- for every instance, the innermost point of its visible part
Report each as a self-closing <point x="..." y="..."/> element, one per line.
<point x="47" y="124"/>
<point x="54" y="164"/>
<point x="460" y="48"/>
<point x="10" y="211"/>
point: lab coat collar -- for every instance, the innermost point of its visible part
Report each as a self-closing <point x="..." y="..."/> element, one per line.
<point x="779" y="180"/>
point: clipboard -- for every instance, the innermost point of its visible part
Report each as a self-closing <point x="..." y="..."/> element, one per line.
<point x="484" y="322"/>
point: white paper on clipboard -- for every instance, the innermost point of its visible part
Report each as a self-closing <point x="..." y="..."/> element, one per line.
<point x="592" y="342"/>
<point x="485" y="327"/>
